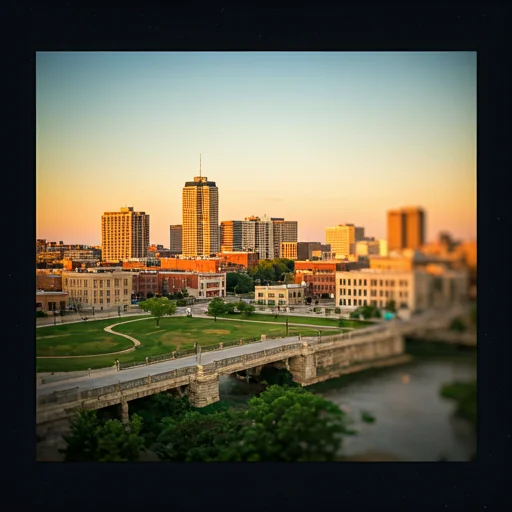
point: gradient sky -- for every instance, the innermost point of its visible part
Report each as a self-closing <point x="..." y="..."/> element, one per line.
<point x="322" y="138"/>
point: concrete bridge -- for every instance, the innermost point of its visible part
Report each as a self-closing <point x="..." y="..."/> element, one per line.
<point x="309" y="360"/>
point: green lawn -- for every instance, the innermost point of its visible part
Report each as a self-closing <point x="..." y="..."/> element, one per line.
<point x="174" y="333"/>
<point x="78" y="339"/>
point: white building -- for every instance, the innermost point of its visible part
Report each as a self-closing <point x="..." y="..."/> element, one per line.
<point x="414" y="290"/>
<point x="279" y="295"/>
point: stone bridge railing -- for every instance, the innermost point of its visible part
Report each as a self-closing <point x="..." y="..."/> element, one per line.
<point x="75" y="395"/>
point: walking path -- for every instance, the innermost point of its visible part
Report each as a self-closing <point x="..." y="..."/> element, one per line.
<point x="137" y="342"/>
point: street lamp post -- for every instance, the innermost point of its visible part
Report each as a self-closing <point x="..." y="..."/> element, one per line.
<point x="93" y="311"/>
<point x="54" y="317"/>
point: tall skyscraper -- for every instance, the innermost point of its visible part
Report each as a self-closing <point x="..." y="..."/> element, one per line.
<point x="406" y="228"/>
<point x="176" y="232"/>
<point x="340" y="238"/>
<point x="124" y="234"/>
<point x="231" y="235"/>
<point x="283" y="231"/>
<point x="200" y="217"/>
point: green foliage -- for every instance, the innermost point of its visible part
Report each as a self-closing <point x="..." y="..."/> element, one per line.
<point x="229" y="307"/>
<point x="391" y="306"/>
<point x="158" y="307"/>
<point x="282" y="424"/>
<point x="41" y="314"/>
<point x="457" y="325"/>
<point x="199" y="437"/>
<point x="367" y="417"/>
<point x="367" y="312"/>
<point x="216" y="307"/>
<point x="245" y="283"/>
<point x="231" y="281"/>
<point x="90" y="440"/>
<point x="465" y="395"/>
<point x="337" y="311"/>
<point x="291" y="424"/>
<point x="245" y="309"/>
<point x="274" y="376"/>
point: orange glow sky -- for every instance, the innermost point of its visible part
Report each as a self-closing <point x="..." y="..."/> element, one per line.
<point x="321" y="138"/>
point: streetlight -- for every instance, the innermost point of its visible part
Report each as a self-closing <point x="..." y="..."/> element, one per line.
<point x="93" y="311"/>
<point x="54" y="317"/>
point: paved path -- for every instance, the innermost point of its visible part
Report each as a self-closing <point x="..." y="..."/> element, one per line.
<point x="137" y="342"/>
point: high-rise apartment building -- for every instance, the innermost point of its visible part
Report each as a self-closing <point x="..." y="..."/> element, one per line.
<point x="283" y="231"/>
<point x="200" y="217"/>
<point x="124" y="234"/>
<point x="340" y="238"/>
<point x="258" y="236"/>
<point x="406" y="228"/>
<point x="231" y="235"/>
<point x="176" y="232"/>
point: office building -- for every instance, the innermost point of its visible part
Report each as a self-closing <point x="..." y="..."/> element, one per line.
<point x="288" y="250"/>
<point x="340" y="239"/>
<point x="406" y="228"/>
<point x="176" y="233"/>
<point x="305" y="250"/>
<point x="124" y="234"/>
<point x="200" y="235"/>
<point x="283" y="231"/>
<point x="283" y="295"/>
<point x="231" y="235"/>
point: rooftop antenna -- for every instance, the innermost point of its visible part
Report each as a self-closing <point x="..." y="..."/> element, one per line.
<point x="199" y="164"/>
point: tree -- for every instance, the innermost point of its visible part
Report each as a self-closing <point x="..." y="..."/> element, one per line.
<point x="199" y="437"/>
<point x="150" y="295"/>
<point x="91" y="440"/>
<point x="290" y="424"/>
<point x="158" y="307"/>
<point x="245" y="283"/>
<point x="245" y="309"/>
<point x="231" y="281"/>
<point x="216" y="307"/>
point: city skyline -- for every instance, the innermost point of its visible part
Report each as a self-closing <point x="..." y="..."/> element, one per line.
<point x="323" y="138"/>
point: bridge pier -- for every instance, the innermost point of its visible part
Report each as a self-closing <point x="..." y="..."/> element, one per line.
<point x="303" y="367"/>
<point x="125" y="417"/>
<point x="204" y="389"/>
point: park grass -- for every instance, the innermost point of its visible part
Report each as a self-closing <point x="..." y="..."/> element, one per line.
<point x="174" y="333"/>
<point x="79" y="339"/>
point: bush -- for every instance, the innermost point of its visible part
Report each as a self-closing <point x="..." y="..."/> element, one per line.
<point x="41" y="314"/>
<point x="337" y="310"/>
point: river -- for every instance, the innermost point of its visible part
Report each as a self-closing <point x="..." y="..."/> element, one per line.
<point x="412" y="421"/>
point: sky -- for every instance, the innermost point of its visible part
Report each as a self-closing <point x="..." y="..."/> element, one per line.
<point x="323" y="138"/>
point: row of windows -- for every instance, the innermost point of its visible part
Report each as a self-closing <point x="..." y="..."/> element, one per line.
<point x="373" y="282"/>
<point x="78" y="293"/>
<point x="78" y="282"/>
<point x="360" y="302"/>
<point x="373" y="293"/>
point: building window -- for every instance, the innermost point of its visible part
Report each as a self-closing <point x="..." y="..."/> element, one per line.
<point x="380" y="294"/>
<point x="349" y="291"/>
<point x="364" y="282"/>
<point x="360" y="281"/>
<point x="260" y="294"/>
<point x="392" y="283"/>
<point x="364" y="293"/>
<point x="349" y="282"/>
<point x="101" y="284"/>
<point x="126" y="282"/>
<point x="360" y="292"/>
<point x="281" y="295"/>
<point x="271" y="294"/>
<point x="380" y="283"/>
<point x="108" y="283"/>
<point x="85" y="283"/>
<point x="364" y="302"/>
<point x="349" y="301"/>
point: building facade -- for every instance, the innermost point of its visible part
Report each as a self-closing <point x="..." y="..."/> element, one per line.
<point x="305" y="250"/>
<point x="406" y="228"/>
<point x="176" y="237"/>
<point x="288" y="250"/>
<point x="51" y="301"/>
<point x="231" y="235"/>
<point x="340" y="238"/>
<point x="198" y="284"/>
<point x="240" y="259"/>
<point x="124" y="234"/>
<point x="283" y="231"/>
<point x="98" y="288"/>
<point x="279" y="295"/>
<point x="200" y="235"/>
<point x="258" y="236"/>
